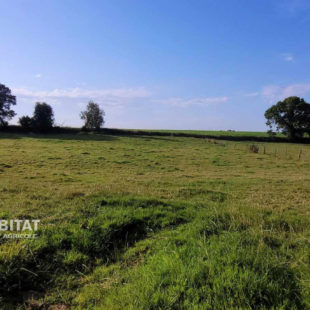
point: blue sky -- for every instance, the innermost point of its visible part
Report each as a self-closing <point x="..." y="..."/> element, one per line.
<point x="156" y="64"/>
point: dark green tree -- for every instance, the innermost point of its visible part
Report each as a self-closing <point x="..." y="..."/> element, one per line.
<point x="6" y="101"/>
<point x="43" y="117"/>
<point x="291" y="116"/>
<point x="93" y="116"/>
<point x="26" y="122"/>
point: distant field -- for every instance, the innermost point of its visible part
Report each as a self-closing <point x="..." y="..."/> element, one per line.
<point x="216" y="132"/>
<point x="153" y="222"/>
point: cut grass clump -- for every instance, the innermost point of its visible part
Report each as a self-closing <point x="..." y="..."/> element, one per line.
<point x="214" y="224"/>
<point x="286" y="221"/>
<point x="206" y="193"/>
<point x="254" y="148"/>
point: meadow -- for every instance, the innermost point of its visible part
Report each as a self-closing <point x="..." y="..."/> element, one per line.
<point x="231" y="133"/>
<point x="153" y="222"/>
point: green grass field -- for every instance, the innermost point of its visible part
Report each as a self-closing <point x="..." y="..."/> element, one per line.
<point x="155" y="223"/>
<point x="216" y="132"/>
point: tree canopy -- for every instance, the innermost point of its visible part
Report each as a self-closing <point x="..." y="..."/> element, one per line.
<point x="26" y="122"/>
<point x="93" y="116"/>
<point x="6" y="101"/>
<point x="291" y="116"/>
<point x="43" y="116"/>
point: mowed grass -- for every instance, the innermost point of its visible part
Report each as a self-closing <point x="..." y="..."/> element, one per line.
<point x="155" y="223"/>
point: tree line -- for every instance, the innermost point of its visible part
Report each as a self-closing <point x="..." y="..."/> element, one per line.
<point x="43" y="116"/>
<point x="290" y="116"/>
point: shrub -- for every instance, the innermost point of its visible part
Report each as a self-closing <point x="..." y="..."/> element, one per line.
<point x="254" y="148"/>
<point x="26" y="122"/>
<point x="271" y="133"/>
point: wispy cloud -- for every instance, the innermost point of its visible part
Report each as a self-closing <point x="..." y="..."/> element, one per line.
<point x="274" y="92"/>
<point x="193" y="101"/>
<point x="287" y="57"/>
<point x="111" y="97"/>
<point x="293" y="7"/>
<point x="38" y="75"/>
<point x="107" y="96"/>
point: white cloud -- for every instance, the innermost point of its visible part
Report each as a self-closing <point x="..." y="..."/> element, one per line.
<point x="193" y="101"/>
<point x="287" y="57"/>
<point x="107" y="96"/>
<point x="273" y="92"/>
<point x="38" y="75"/>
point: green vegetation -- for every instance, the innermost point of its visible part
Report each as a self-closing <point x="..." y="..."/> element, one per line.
<point x="232" y="133"/>
<point x="93" y="116"/>
<point x="149" y="222"/>
<point x="42" y="120"/>
<point x="7" y="100"/>
<point x="290" y="116"/>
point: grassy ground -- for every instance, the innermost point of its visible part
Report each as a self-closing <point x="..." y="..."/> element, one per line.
<point x="155" y="223"/>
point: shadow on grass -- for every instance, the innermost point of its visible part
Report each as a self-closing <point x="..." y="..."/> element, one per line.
<point x="79" y="136"/>
<point x="76" y="137"/>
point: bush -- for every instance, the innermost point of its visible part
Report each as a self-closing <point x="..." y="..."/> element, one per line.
<point x="26" y="122"/>
<point x="42" y="120"/>
<point x="254" y="148"/>
<point x="271" y="133"/>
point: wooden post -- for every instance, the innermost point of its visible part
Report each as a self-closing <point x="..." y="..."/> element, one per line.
<point x="264" y="150"/>
<point x="299" y="155"/>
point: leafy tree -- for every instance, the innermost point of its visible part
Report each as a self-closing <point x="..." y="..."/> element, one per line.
<point x="291" y="116"/>
<point x="6" y="101"/>
<point x="93" y="116"/>
<point x="26" y="122"/>
<point x="43" y="117"/>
